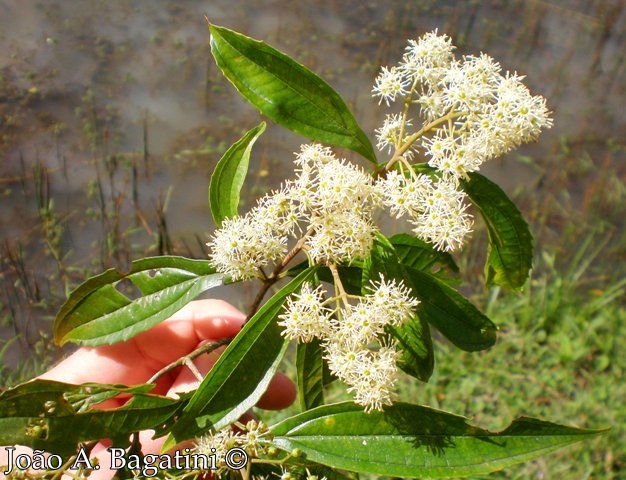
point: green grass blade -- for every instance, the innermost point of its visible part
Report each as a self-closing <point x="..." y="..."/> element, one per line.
<point x="287" y="92"/>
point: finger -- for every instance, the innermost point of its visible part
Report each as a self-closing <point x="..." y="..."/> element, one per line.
<point x="280" y="393"/>
<point x="136" y="360"/>
<point x="199" y="320"/>
<point x="106" y="364"/>
<point x="184" y="382"/>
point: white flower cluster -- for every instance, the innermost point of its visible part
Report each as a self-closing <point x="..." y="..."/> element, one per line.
<point x="357" y="348"/>
<point x="472" y="113"/>
<point x="253" y="438"/>
<point x="330" y="199"/>
<point x="436" y="209"/>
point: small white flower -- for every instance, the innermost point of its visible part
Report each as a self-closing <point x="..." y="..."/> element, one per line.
<point x="313" y="155"/>
<point x="340" y="237"/>
<point x="358" y="325"/>
<point x="403" y="195"/>
<point x="345" y="360"/>
<point x="305" y="316"/>
<point x="389" y="135"/>
<point x="490" y="113"/>
<point x="374" y="377"/>
<point x="432" y="105"/>
<point x="254" y="437"/>
<point x="452" y="154"/>
<point x="431" y="50"/>
<point x="443" y="220"/>
<point x="342" y="186"/>
<point x="218" y="444"/>
<point x="389" y="83"/>
<point x="527" y="114"/>
<point x="391" y="302"/>
<point x="245" y="244"/>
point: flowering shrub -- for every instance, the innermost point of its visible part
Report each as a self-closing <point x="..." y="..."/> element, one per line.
<point x="358" y="303"/>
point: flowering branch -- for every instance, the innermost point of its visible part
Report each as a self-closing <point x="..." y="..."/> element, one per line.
<point x="369" y="322"/>
<point x="472" y="114"/>
<point x="408" y="142"/>
<point x="275" y="275"/>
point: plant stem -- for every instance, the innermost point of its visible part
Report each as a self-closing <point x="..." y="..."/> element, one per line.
<point x="187" y="359"/>
<point x="335" y="273"/>
<point x="273" y="277"/>
<point x="402" y="149"/>
<point x="58" y="473"/>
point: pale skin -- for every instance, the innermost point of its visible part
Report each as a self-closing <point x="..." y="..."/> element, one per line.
<point x="137" y="360"/>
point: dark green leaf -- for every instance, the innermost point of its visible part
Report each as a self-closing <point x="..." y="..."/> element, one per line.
<point x="415" y="441"/>
<point x="310" y="374"/>
<point x="242" y="373"/>
<point x="30" y="398"/>
<point x="101" y="311"/>
<point x="418" y="358"/>
<point x="382" y="260"/>
<point x="229" y="176"/>
<point x="287" y="92"/>
<point x="351" y="277"/>
<point x="416" y="253"/>
<point x="49" y="415"/>
<point x="510" y="241"/>
<point x="451" y="313"/>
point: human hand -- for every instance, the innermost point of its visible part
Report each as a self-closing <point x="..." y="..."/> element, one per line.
<point x="138" y="359"/>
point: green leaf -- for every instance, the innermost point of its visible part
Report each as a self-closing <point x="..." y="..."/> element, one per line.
<point x="287" y="92"/>
<point x="451" y="313"/>
<point x="310" y="374"/>
<point x="418" y="357"/>
<point x="416" y="253"/>
<point x="30" y="398"/>
<point x="382" y="260"/>
<point x="229" y="175"/>
<point x="351" y="277"/>
<point x="49" y="415"/>
<point x="510" y="250"/>
<point x="441" y="305"/>
<point x="415" y="441"/>
<point x="102" y="311"/>
<point x="242" y="373"/>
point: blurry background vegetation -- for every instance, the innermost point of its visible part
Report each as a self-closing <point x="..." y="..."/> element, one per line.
<point x="113" y="115"/>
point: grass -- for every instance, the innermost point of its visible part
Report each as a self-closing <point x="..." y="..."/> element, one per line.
<point x="557" y="358"/>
